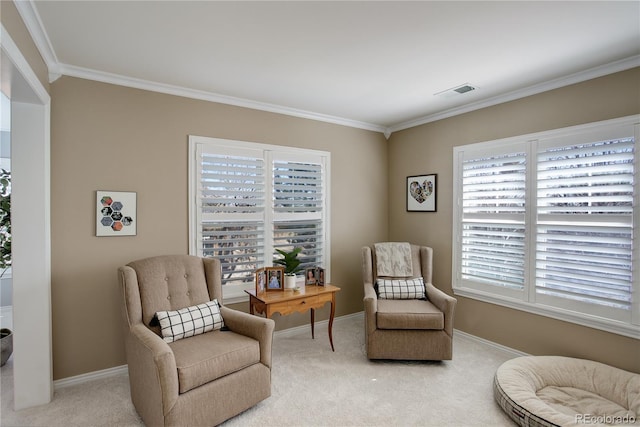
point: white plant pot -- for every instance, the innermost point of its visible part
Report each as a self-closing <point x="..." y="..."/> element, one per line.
<point x="289" y="281"/>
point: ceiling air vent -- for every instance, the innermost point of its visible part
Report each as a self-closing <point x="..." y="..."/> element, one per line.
<point x="455" y="91"/>
<point x="464" y="89"/>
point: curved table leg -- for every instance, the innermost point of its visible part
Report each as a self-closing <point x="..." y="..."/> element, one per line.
<point x="333" y="311"/>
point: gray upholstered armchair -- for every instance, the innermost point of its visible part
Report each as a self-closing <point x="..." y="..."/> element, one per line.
<point x="407" y="329"/>
<point x="201" y="380"/>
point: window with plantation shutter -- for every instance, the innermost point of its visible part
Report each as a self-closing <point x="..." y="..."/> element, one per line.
<point x="231" y="205"/>
<point x="547" y="223"/>
<point x="248" y="199"/>
<point x="298" y="198"/>
<point x="584" y="244"/>
<point x="493" y="219"/>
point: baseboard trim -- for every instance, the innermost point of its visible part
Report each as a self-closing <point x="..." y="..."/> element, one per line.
<point x="90" y="376"/>
<point x="123" y="369"/>
<point x="495" y="345"/>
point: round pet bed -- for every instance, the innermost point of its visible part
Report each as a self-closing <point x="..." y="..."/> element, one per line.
<point x="563" y="391"/>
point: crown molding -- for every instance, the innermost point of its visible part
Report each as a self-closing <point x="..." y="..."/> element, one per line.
<point x="32" y="21"/>
<point x="592" y="73"/>
<point x="85" y="73"/>
<point x="17" y="60"/>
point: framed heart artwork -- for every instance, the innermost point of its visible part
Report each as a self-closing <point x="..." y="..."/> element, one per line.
<point x="421" y="193"/>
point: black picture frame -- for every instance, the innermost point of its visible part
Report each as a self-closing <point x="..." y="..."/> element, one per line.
<point x="422" y="193"/>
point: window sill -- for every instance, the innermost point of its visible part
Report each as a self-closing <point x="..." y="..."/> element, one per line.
<point x="619" y="328"/>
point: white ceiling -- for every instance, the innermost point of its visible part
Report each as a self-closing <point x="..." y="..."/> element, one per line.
<point x="374" y="65"/>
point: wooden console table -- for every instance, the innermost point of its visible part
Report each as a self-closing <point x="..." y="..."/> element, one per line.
<point x="288" y="301"/>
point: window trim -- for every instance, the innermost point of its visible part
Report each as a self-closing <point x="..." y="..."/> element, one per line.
<point x="631" y="329"/>
<point x="237" y="294"/>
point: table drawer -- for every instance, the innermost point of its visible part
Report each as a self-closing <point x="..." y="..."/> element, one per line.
<point x="304" y="303"/>
<point x="298" y="305"/>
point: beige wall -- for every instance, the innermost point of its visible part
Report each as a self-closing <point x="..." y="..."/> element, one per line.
<point x="13" y="23"/>
<point x="429" y="149"/>
<point x="107" y="137"/>
<point x="110" y="137"/>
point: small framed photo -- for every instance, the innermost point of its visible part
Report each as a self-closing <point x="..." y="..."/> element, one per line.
<point x="116" y="213"/>
<point x="275" y="278"/>
<point x="261" y="281"/>
<point x="310" y="276"/>
<point x="421" y="193"/>
<point x="320" y="276"/>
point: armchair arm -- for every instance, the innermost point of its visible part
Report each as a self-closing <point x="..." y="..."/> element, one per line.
<point x="152" y="368"/>
<point x="445" y="303"/>
<point x="258" y="328"/>
<point x="370" y="307"/>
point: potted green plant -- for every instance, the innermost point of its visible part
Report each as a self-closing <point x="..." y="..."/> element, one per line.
<point x="6" y="336"/>
<point x="5" y="220"/>
<point x="291" y="265"/>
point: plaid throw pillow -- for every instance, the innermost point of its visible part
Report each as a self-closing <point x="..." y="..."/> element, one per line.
<point x="401" y="288"/>
<point x="190" y="321"/>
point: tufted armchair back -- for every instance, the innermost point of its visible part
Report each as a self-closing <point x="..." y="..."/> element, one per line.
<point x="170" y="282"/>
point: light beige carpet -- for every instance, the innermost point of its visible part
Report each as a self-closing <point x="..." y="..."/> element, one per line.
<point x="313" y="386"/>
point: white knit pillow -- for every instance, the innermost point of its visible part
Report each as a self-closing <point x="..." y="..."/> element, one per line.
<point x="401" y="288"/>
<point x="190" y="321"/>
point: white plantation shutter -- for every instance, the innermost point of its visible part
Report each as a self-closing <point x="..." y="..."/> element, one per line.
<point x="585" y="225"/>
<point x="232" y="184"/>
<point x="231" y="195"/>
<point x="299" y="206"/>
<point x="238" y="245"/>
<point x="547" y="223"/>
<point x="307" y="234"/>
<point x="297" y="187"/>
<point x="247" y="199"/>
<point x="493" y="219"/>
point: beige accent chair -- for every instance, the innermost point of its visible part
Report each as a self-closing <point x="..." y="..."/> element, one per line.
<point x="407" y="329"/>
<point x="198" y="381"/>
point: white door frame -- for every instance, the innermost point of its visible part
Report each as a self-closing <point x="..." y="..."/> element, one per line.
<point x="31" y="227"/>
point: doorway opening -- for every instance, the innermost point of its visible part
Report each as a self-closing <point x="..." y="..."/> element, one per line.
<point x="30" y="106"/>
